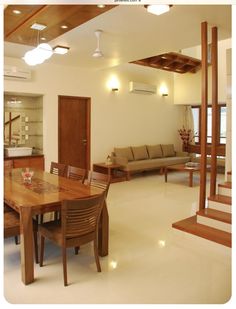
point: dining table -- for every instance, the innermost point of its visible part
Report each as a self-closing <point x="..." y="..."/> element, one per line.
<point x="43" y="194"/>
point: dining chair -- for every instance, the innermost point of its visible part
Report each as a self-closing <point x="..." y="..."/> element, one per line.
<point x="12" y="229"/>
<point x="78" y="226"/>
<point x="76" y="173"/>
<point x="99" y="180"/>
<point x="58" y="169"/>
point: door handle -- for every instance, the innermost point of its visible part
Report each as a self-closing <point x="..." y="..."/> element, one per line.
<point x="84" y="141"/>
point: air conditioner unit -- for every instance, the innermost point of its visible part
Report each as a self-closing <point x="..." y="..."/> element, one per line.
<point x="135" y="87"/>
<point x="12" y="72"/>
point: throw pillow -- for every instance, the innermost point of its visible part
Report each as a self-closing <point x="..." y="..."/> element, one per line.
<point x="124" y="152"/>
<point x="168" y="150"/>
<point x="140" y="152"/>
<point x="154" y="151"/>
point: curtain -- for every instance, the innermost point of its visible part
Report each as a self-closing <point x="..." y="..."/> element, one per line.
<point x="188" y="122"/>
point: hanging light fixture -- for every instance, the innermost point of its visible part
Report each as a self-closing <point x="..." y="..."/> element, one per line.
<point x="158" y="9"/>
<point x="41" y="53"/>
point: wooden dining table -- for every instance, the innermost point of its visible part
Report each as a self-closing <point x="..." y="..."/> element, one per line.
<point x="44" y="194"/>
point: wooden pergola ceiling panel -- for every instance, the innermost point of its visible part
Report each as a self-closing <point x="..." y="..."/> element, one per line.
<point x="17" y="27"/>
<point x="172" y="62"/>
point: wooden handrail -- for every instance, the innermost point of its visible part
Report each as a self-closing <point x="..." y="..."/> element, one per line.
<point x="203" y="161"/>
<point x="214" y="56"/>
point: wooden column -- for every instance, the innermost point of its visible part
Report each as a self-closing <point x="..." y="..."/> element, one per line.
<point x="203" y="161"/>
<point x="214" y="57"/>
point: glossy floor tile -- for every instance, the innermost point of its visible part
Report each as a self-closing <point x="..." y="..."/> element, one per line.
<point x="148" y="263"/>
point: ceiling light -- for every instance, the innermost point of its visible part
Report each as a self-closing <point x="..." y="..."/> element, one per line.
<point x="39" y="54"/>
<point x="158" y="9"/>
<point x="61" y="50"/>
<point x="43" y="39"/>
<point x="64" y="26"/>
<point x="39" y="27"/>
<point x="17" y="12"/>
<point x="101" y="6"/>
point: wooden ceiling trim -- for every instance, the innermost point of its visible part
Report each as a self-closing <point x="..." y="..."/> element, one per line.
<point x="17" y="27"/>
<point x="172" y="62"/>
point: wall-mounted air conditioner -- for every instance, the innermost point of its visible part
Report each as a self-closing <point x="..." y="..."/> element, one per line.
<point x="135" y="87"/>
<point x="15" y="73"/>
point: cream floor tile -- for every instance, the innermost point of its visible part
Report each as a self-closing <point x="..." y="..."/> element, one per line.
<point x="148" y="262"/>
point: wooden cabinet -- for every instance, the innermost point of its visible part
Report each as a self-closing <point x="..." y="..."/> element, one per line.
<point x="30" y="161"/>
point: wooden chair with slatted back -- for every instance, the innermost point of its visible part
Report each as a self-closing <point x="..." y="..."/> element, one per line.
<point x="12" y="229"/>
<point x="76" y="173"/>
<point x="78" y="225"/>
<point x="99" y="180"/>
<point x="58" y="169"/>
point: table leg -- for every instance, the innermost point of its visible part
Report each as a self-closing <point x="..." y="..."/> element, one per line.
<point x="190" y="178"/>
<point x="27" y="245"/>
<point x="103" y="233"/>
<point x="165" y="171"/>
<point x="109" y="173"/>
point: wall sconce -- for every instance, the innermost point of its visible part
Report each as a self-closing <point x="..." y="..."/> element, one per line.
<point x="113" y="84"/>
<point x="163" y="90"/>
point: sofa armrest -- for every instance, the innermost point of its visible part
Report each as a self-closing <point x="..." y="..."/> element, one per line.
<point x="182" y="154"/>
<point x="121" y="160"/>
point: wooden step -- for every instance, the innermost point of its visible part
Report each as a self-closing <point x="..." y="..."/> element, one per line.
<point x="221" y="199"/>
<point x="220" y="202"/>
<point x="227" y="184"/>
<point x="225" y="188"/>
<point x="214" y="218"/>
<point x="191" y="226"/>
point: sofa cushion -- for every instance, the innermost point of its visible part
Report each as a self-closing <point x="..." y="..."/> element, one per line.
<point x="154" y="151"/>
<point x="168" y="150"/>
<point x="140" y="152"/>
<point x="124" y="152"/>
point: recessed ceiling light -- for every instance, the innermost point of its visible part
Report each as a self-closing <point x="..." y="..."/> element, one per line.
<point x="64" y="26"/>
<point x="101" y="6"/>
<point x="43" y="39"/>
<point x="17" y="12"/>
<point x="61" y="50"/>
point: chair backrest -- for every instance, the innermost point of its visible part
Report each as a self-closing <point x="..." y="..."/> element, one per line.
<point x="58" y="169"/>
<point x="80" y="217"/>
<point x="99" y="180"/>
<point x="76" y="173"/>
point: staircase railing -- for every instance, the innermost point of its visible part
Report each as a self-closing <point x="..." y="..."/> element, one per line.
<point x="204" y="105"/>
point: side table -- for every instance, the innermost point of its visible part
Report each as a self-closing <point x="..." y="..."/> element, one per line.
<point x="112" y="170"/>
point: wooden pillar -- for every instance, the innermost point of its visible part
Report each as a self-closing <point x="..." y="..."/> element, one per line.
<point x="214" y="142"/>
<point x="203" y="144"/>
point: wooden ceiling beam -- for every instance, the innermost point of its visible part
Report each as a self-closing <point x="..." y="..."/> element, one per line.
<point x="26" y="20"/>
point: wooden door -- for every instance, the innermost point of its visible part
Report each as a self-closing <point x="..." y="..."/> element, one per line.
<point x="74" y="131"/>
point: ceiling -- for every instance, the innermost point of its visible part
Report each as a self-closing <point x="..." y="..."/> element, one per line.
<point x="131" y="33"/>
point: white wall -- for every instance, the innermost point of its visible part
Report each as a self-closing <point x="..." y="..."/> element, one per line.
<point x="117" y="119"/>
<point x="188" y="86"/>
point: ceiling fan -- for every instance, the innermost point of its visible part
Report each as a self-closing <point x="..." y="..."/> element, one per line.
<point x="97" y="53"/>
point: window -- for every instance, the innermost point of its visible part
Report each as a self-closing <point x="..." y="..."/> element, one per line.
<point x="196" y="110"/>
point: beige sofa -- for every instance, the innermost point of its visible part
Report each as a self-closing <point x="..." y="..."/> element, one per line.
<point x="147" y="157"/>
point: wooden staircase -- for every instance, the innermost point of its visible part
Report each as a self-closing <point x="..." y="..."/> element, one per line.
<point x="214" y="222"/>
